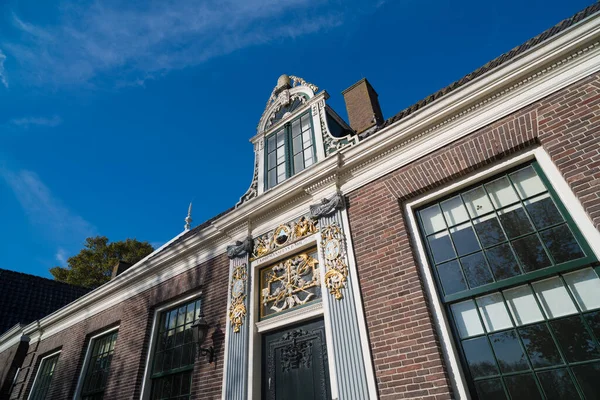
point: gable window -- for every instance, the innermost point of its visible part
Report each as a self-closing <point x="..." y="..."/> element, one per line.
<point x="174" y="351"/>
<point x="43" y="378"/>
<point x="289" y="150"/>
<point x="520" y="286"/>
<point x="99" y="357"/>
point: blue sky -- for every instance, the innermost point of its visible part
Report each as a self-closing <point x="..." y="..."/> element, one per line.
<point x="114" y="115"/>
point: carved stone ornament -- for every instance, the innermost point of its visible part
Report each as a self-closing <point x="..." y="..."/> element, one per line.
<point x="284" y="235"/>
<point x="252" y="191"/>
<point x="289" y="283"/>
<point x="336" y="270"/>
<point x="237" y="309"/>
<point x="327" y="206"/>
<point x="298" y="353"/>
<point x="240" y="249"/>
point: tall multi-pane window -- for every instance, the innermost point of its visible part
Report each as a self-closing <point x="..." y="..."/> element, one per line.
<point x="521" y="288"/>
<point x="174" y="351"/>
<point x="97" y="366"/>
<point x="289" y="150"/>
<point x="42" y="381"/>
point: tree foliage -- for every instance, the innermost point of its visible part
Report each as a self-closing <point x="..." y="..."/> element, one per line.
<point x="94" y="264"/>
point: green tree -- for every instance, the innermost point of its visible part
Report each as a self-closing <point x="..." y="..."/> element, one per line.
<point x="94" y="264"/>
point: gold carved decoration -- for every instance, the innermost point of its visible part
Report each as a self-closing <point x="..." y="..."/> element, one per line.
<point x="283" y="235"/>
<point x="237" y="309"/>
<point x="336" y="270"/>
<point x="290" y="283"/>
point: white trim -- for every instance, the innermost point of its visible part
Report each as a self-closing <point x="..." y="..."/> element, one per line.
<point x="145" y="392"/>
<point x="290" y="317"/>
<point x="86" y="360"/>
<point x="37" y="373"/>
<point x="360" y="315"/>
<point x="11" y="337"/>
<point x="568" y="199"/>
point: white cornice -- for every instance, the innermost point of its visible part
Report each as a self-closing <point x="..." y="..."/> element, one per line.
<point x="545" y="69"/>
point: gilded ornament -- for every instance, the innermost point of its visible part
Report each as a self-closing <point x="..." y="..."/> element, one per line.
<point x="336" y="275"/>
<point x="289" y="283"/>
<point x="237" y="309"/>
<point x="284" y="235"/>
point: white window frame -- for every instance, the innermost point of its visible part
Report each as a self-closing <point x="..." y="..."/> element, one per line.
<point x="86" y="360"/>
<point x="146" y="381"/>
<point x="567" y="197"/>
<point x="37" y="373"/>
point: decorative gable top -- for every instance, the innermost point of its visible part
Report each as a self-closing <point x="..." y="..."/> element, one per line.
<point x="289" y="94"/>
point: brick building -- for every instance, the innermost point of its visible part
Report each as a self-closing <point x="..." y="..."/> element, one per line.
<point x="450" y="251"/>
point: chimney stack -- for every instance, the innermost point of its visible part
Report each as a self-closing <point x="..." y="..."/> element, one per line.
<point x="362" y="105"/>
<point x="119" y="268"/>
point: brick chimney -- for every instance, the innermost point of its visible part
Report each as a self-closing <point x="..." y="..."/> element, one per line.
<point x="119" y="268"/>
<point x="362" y="105"/>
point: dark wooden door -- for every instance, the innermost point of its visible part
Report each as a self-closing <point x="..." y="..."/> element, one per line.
<point x="294" y="362"/>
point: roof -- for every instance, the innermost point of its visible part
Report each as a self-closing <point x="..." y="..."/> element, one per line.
<point x="25" y="298"/>
<point x="496" y="62"/>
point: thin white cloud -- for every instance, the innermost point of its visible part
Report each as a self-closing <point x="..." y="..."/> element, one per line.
<point x="3" y="79"/>
<point x="61" y="256"/>
<point x="27" y="122"/>
<point x="133" y="41"/>
<point x="46" y="212"/>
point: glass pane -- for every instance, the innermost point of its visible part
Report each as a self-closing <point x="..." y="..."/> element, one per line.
<point x="305" y="122"/>
<point x="466" y="319"/>
<point x="588" y="378"/>
<point x="297" y="144"/>
<point x="464" y="239"/>
<point x="479" y="357"/>
<point x="477" y="202"/>
<point x="490" y="389"/>
<point x="298" y="162"/>
<point x="531" y="253"/>
<point x="557" y="384"/>
<point x="561" y="244"/>
<point x="272" y="178"/>
<point x="454" y="211"/>
<point x="543" y="212"/>
<point x="441" y="247"/>
<point x="515" y="222"/>
<point x="476" y="270"/>
<point x="522" y="387"/>
<point x="280" y="138"/>
<point x="540" y="346"/>
<point x="509" y="352"/>
<point x="451" y="277"/>
<point x="308" y="157"/>
<point x="554" y="298"/>
<point x="280" y="155"/>
<point x="489" y="230"/>
<point x="527" y="182"/>
<point x="296" y="128"/>
<point x="522" y="305"/>
<point x="593" y="320"/>
<point x="280" y="173"/>
<point x="271" y="143"/>
<point x="433" y="220"/>
<point x="574" y="340"/>
<point x="502" y="262"/>
<point x="501" y="192"/>
<point x="306" y="139"/>
<point x="585" y="287"/>
<point x="493" y="312"/>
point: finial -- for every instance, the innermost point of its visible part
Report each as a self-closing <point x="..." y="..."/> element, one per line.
<point x="188" y="219"/>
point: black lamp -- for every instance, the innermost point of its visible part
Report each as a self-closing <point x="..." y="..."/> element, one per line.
<point x="200" y="331"/>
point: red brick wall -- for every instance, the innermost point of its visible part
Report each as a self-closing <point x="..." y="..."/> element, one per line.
<point x="407" y="355"/>
<point x="135" y="316"/>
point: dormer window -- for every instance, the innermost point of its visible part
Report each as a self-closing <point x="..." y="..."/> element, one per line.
<point x="289" y="150"/>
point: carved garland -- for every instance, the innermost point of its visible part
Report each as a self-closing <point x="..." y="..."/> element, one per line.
<point x="237" y="309"/>
<point x="336" y="270"/>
